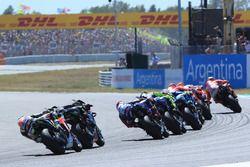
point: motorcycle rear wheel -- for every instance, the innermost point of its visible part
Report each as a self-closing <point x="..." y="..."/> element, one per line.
<point x="51" y="142"/>
<point x="172" y="124"/>
<point x="100" y="139"/>
<point x="191" y="119"/>
<point x="151" y="128"/>
<point x="234" y="104"/>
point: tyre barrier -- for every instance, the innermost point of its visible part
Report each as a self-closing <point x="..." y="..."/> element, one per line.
<point x="105" y="78"/>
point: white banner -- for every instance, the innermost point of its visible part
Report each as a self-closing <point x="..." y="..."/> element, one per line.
<point x="122" y="78"/>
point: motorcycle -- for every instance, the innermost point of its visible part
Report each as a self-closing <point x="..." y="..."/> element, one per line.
<point x="55" y="138"/>
<point x="227" y="99"/>
<point x="152" y="124"/>
<point x="190" y="115"/>
<point x="173" y="120"/>
<point x="83" y="124"/>
<point x="202" y="104"/>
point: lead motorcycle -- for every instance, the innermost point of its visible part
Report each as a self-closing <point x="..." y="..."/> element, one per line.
<point x="227" y="99"/>
<point x="83" y="124"/>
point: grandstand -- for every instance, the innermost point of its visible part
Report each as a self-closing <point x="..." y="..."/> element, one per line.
<point x="76" y="41"/>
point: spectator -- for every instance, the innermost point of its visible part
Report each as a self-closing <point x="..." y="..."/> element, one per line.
<point x="247" y="46"/>
<point x="121" y="62"/>
<point x="77" y="41"/>
<point x="154" y="60"/>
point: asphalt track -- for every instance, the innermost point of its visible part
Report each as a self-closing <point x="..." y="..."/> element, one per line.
<point x="225" y="139"/>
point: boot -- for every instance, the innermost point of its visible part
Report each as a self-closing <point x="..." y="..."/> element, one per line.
<point x="69" y="142"/>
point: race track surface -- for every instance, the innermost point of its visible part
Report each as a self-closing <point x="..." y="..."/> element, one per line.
<point x="225" y="139"/>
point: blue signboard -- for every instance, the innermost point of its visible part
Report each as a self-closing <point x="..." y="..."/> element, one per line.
<point x="197" y="68"/>
<point x="149" y="79"/>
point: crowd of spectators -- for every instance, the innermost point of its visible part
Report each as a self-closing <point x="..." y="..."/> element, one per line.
<point x="242" y="43"/>
<point x="73" y="41"/>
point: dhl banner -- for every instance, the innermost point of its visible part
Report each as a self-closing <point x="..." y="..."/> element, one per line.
<point x="104" y="20"/>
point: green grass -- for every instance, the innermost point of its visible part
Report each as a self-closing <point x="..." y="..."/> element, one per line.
<point x="78" y="80"/>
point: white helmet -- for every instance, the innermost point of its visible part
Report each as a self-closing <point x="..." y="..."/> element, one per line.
<point x="210" y="78"/>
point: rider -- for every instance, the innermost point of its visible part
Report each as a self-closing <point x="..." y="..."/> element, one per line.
<point x="166" y="101"/>
<point x="29" y="126"/>
<point x="81" y="108"/>
<point x="212" y="87"/>
<point x="182" y="94"/>
<point x="126" y="114"/>
<point x="129" y="112"/>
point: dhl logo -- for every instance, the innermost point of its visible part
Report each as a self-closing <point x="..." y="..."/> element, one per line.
<point x="238" y="19"/>
<point x="36" y="22"/>
<point x="159" y="20"/>
<point x="144" y="20"/>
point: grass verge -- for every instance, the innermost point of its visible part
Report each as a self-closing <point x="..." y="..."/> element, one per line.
<point x="78" y="80"/>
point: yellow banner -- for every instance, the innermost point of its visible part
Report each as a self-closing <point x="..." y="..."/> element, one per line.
<point x="101" y="20"/>
<point x="242" y="19"/>
<point x="104" y="20"/>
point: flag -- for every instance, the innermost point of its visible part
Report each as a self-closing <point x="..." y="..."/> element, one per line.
<point x="63" y="10"/>
<point x="24" y="7"/>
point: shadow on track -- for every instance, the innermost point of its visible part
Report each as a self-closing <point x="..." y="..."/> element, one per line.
<point x="225" y="113"/>
<point x="49" y="154"/>
<point x="145" y="139"/>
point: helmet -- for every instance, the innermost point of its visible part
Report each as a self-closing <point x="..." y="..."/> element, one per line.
<point x="210" y="78"/>
<point x="180" y="84"/>
<point x="189" y="86"/>
<point x="143" y="95"/>
<point x="22" y="122"/>
<point x="118" y="103"/>
<point x="172" y="85"/>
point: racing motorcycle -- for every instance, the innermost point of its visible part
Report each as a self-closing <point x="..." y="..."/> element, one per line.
<point x="83" y="124"/>
<point x="227" y="99"/>
<point x="203" y="105"/>
<point x="55" y="137"/>
<point x="173" y="120"/>
<point x="152" y="124"/>
<point x="190" y="114"/>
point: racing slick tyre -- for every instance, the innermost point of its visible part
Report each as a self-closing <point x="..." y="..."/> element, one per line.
<point x="172" y="124"/>
<point x="151" y="128"/>
<point x="100" y="139"/>
<point x="85" y="137"/>
<point x="206" y="112"/>
<point x="234" y="104"/>
<point x="191" y="119"/>
<point x="52" y="143"/>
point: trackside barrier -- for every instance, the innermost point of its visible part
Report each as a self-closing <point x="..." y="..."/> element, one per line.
<point x="232" y="67"/>
<point x="145" y="78"/>
<point x="105" y="78"/>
